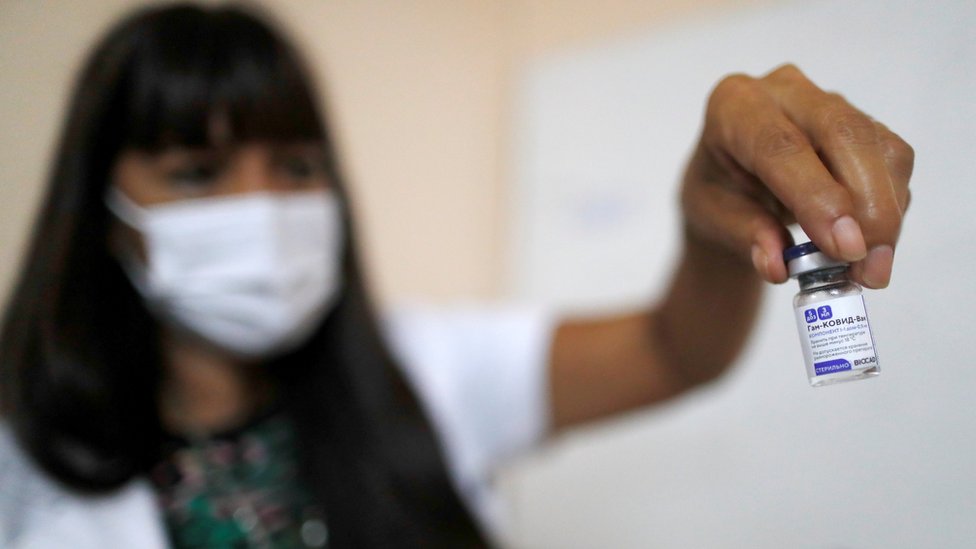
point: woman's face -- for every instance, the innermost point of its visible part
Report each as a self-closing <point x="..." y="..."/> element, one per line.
<point x="187" y="173"/>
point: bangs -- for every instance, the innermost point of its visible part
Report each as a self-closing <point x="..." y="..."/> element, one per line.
<point x="213" y="78"/>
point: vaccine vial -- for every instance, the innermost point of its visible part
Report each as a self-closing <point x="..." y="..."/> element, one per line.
<point x="831" y="318"/>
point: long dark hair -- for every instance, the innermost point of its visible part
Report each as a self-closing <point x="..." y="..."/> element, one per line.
<point x="80" y="365"/>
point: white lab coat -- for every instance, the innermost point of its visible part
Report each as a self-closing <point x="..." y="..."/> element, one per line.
<point x="479" y="372"/>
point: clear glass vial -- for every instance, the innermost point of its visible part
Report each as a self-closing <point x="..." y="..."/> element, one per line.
<point x="831" y="319"/>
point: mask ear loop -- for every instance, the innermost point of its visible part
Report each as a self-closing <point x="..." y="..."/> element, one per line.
<point x="133" y="215"/>
<point x="124" y="208"/>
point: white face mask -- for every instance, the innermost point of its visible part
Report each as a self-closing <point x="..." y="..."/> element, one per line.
<point x="253" y="274"/>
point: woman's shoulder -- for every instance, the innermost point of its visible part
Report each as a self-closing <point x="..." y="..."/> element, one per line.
<point x="467" y="349"/>
<point x="473" y="357"/>
<point x="421" y="330"/>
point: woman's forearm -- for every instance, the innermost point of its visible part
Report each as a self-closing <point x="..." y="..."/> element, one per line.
<point x="708" y="311"/>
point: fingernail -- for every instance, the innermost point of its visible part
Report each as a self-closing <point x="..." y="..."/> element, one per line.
<point x="848" y="238"/>
<point x="759" y="260"/>
<point x="877" y="266"/>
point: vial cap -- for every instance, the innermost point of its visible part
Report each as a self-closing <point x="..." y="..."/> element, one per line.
<point x="807" y="257"/>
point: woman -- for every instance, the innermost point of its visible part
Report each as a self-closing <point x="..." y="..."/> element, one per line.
<point x="191" y="332"/>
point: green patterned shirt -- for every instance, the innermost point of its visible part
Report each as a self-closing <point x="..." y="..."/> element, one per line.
<point x="239" y="489"/>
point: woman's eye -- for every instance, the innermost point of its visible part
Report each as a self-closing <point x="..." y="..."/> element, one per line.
<point x="303" y="167"/>
<point x="194" y="175"/>
<point x="298" y="167"/>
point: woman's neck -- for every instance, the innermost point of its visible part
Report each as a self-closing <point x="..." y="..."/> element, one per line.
<point x="205" y="391"/>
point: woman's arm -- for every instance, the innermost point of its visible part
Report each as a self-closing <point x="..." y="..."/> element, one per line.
<point x="601" y="367"/>
<point x="773" y="150"/>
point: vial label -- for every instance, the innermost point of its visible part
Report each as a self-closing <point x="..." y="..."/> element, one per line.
<point x="835" y="336"/>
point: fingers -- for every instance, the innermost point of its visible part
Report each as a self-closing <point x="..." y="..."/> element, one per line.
<point x="843" y="175"/>
<point x="899" y="158"/>
<point x="744" y="121"/>
<point x="851" y="147"/>
<point x="740" y="221"/>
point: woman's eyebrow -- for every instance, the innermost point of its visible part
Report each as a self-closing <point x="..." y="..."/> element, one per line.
<point x="177" y="154"/>
<point x="301" y="144"/>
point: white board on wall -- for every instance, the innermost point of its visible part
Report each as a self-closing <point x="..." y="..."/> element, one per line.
<point x="760" y="459"/>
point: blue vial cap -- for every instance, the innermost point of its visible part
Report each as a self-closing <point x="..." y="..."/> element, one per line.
<point x="807" y="257"/>
<point x="799" y="250"/>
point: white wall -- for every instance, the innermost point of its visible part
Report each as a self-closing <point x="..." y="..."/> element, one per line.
<point x="759" y="459"/>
